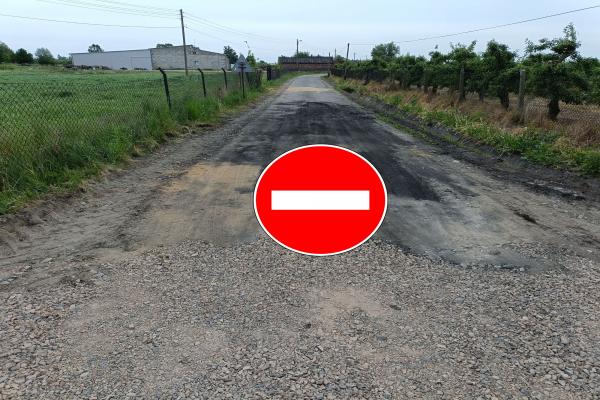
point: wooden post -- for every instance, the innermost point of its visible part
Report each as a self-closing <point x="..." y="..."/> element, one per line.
<point x="522" y="80"/>
<point x="461" y="85"/>
<point x="346" y="67"/>
<point x="185" y="61"/>
<point x="242" y="78"/>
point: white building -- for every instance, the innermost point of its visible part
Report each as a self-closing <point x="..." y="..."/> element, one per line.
<point x="163" y="57"/>
<point x="129" y="59"/>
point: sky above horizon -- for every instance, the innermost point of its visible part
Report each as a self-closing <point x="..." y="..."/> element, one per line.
<point x="270" y="28"/>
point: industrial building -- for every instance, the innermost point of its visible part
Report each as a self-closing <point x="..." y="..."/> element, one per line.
<point x="311" y="63"/>
<point x="161" y="57"/>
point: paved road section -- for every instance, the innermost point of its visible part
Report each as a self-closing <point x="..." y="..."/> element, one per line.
<point x="158" y="282"/>
<point x="437" y="206"/>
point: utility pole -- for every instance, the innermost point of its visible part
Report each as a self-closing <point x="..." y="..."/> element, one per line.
<point x="184" y="45"/>
<point x="347" y="51"/>
<point x="354" y="57"/>
<point x="334" y="53"/>
<point x="297" y="58"/>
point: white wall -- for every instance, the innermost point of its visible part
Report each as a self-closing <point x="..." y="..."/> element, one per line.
<point x="172" y="58"/>
<point x="129" y="59"/>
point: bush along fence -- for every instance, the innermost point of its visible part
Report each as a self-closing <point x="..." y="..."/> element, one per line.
<point x="55" y="132"/>
<point x="549" y="75"/>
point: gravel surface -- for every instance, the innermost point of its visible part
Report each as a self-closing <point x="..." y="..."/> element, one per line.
<point x="158" y="283"/>
<point x="195" y="320"/>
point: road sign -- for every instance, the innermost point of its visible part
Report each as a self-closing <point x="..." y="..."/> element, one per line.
<point x="242" y="65"/>
<point x="320" y="200"/>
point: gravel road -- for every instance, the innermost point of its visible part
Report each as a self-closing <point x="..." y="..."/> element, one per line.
<point x="157" y="282"/>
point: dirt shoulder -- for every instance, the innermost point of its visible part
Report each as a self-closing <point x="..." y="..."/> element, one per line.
<point x="93" y="222"/>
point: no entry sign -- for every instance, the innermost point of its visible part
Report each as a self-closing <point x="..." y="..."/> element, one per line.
<point x="320" y="200"/>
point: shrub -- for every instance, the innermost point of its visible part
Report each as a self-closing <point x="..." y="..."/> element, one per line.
<point x="22" y="56"/>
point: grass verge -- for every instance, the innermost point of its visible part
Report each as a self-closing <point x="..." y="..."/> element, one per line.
<point x="53" y="140"/>
<point x="548" y="147"/>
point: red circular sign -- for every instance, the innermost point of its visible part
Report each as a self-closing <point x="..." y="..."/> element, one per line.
<point x="320" y="200"/>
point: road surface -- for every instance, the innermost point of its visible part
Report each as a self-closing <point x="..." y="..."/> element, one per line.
<point x="158" y="282"/>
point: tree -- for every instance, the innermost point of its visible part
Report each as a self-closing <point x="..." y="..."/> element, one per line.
<point x="461" y="56"/>
<point x="438" y="72"/>
<point x="62" y="60"/>
<point x="407" y="69"/>
<point x="302" y="54"/>
<point x="591" y="69"/>
<point x="6" y="54"/>
<point x="95" y="48"/>
<point x="230" y="54"/>
<point x="385" y="52"/>
<point x="22" y="56"/>
<point x="338" y="59"/>
<point x="554" y="72"/>
<point x="250" y="59"/>
<point x="499" y="73"/>
<point x="162" y="45"/>
<point x="44" y="56"/>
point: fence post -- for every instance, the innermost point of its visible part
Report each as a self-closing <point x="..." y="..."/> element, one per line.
<point x="461" y="85"/>
<point x="242" y="78"/>
<point x="203" y="83"/>
<point x="522" y="80"/>
<point x="225" y="76"/>
<point x="166" y="83"/>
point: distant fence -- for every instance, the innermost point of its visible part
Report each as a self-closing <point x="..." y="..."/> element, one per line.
<point x="56" y="124"/>
<point x="529" y="107"/>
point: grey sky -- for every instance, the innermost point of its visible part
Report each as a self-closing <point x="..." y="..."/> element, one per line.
<point x="274" y="25"/>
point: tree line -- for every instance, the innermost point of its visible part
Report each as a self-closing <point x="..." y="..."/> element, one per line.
<point x="554" y="68"/>
<point x="41" y="56"/>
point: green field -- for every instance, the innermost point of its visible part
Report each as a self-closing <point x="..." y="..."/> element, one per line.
<point x="60" y="126"/>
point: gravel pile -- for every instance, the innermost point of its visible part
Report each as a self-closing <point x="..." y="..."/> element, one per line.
<point x="257" y="321"/>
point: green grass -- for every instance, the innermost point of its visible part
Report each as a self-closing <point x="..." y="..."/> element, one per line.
<point x="58" y="128"/>
<point x="533" y="144"/>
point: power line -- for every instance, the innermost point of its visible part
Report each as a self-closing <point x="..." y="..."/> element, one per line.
<point x="208" y="34"/>
<point x="225" y="28"/>
<point x="120" y="6"/>
<point x="501" y="26"/>
<point x="486" y="28"/>
<point x="214" y="25"/>
<point x="113" y="9"/>
<point x="222" y="40"/>
<point x="135" y="5"/>
<point x="87" y="23"/>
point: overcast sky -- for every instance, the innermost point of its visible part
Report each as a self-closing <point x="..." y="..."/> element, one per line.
<point x="271" y="27"/>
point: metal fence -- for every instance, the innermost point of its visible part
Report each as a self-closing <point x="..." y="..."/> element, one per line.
<point x="50" y="125"/>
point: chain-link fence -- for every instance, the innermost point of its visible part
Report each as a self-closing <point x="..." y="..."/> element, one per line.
<point x="530" y="110"/>
<point x="51" y="128"/>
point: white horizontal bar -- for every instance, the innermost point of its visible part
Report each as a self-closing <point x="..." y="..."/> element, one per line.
<point x="319" y="200"/>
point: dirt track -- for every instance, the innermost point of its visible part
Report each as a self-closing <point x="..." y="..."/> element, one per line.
<point x="185" y="213"/>
<point x="201" y="188"/>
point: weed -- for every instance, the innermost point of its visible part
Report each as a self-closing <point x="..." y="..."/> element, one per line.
<point x="540" y="142"/>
